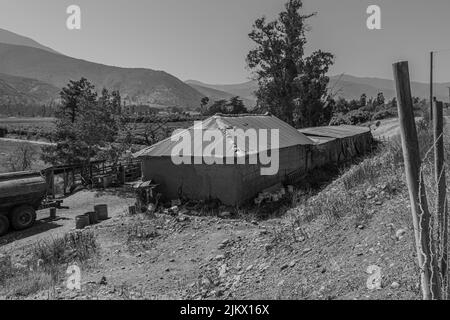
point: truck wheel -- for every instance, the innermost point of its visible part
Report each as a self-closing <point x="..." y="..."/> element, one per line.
<point x="4" y="225"/>
<point x="23" y="217"/>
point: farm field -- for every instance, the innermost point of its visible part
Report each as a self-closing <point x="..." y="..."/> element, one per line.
<point x="45" y="125"/>
<point x="26" y="122"/>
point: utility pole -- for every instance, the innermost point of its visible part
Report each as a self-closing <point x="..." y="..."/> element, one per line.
<point x="431" y="84"/>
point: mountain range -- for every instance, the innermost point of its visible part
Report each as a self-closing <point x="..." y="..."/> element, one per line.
<point x="345" y="86"/>
<point x="33" y="73"/>
<point x="25" y="91"/>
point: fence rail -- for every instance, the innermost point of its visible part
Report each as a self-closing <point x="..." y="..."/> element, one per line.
<point x="64" y="179"/>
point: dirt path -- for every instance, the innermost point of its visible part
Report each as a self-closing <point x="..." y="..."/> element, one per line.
<point x="40" y="143"/>
<point x="390" y="128"/>
<point x="77" y="204"/>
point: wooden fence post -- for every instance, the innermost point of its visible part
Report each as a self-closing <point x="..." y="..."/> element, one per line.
<point x="416" y="187"/>
<point x="441" y="199"/>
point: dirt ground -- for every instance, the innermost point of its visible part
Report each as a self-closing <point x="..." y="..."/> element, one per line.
<point x="76" y="204"/>
<point x="193" y="257"/>
<point x="188" y="256"/>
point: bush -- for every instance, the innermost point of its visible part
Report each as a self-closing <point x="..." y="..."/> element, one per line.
<point x="72" y="247"/>
<point x="338" y="119"/>
<point x="358" y="116"/>
<point x="351" y="118"/>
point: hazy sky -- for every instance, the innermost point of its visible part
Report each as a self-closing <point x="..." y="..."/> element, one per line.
<point x="207" y="40"/>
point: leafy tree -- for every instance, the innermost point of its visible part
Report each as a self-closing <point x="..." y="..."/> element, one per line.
<point x="312" y="84"/>
<point x="203" y="103"/>
<point x="380" y="99"/>
<point x="236" y="106"/>
<point x="288" y="82"/>
<point x="363" y="100"/>
<point x="233" y="106"/>
<point x="22" y="158"/>
<point x="218" y="106"/>
<point x="71" y="97"/>
<point x="85" y="125"/>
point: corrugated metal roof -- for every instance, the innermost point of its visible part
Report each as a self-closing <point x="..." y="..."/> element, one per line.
<point x="342" y="131"/>
<point x="223" y="126"/>
<point x="321" y="140"/>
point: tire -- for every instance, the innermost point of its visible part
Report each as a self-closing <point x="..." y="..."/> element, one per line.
<point x="4" y="225"/>
<point x="23" y="217"/>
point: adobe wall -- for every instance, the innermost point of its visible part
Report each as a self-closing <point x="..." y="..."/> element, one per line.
<point x="198" y="182"/>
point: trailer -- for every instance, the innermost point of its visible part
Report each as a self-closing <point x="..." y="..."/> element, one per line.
<point x="21" y="194"/>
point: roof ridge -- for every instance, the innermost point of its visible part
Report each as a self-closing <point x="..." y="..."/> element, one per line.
<point x="237" y="115"/>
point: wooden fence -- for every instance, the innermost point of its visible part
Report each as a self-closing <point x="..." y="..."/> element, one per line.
<point x="64" y="179"/>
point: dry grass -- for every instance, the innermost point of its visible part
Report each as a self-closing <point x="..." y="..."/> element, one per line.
<point x="47" y="263"/>
<point x="72" y="247"/>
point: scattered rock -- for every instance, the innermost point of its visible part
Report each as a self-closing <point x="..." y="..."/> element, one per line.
<point x="225" y="214"/>
<point x="222" y="270"/>
<point x="223" y="244"/>
<point x="206" y="282"/>
<point x="284" y="266"/>
<point x="219" y="257"/>
<point x="306" y="250"/>
<point x="400" y="234"/>
<point x="292" y="263"/>
<point x="20" y="266"/>
<point x="219" y="293"/>
<point x="395" y="285"/>
<point x="182" y="218"/>
<point x="250" y="267"/>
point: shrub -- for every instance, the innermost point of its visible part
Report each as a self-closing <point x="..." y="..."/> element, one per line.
<point x="358" y="116"/>
<point x="334" y="205"/>
<point x="338" y="119"/>
<point x="72" y="247"/>
<point x="351" y="118"/>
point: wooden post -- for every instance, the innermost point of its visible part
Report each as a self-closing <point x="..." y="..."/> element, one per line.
<point x="441" y="199"/>
<point x="416" y="186"/>
<point x="431" y="84"/>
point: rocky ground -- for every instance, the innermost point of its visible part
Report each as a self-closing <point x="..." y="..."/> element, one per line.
<point x="325" y="245"/>
<point x="211" y="257"/>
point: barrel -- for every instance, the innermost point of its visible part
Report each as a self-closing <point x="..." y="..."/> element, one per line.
<point x="102" y="211"/>
<point x="81" y="221"/>
<point x="93" y="219"/>
<point x="52" y="213"/>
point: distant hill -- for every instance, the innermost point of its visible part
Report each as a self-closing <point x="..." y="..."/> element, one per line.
<point x="214" y="95"/>
<point x="138" y="86"/>
<point x="346" y="86"/>
<point x="19" y="90"/>
<point x="350" y="87"/>
<point x="9" y="37"/>
<point x="244" y="90"/>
